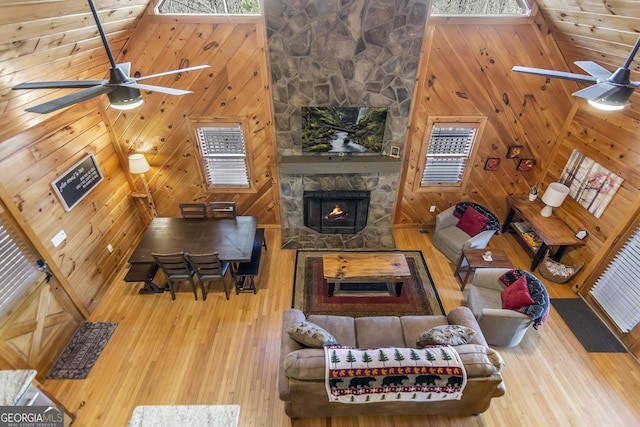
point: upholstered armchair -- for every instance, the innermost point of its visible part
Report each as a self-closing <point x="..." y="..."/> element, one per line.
<point x="505" y="327"/>
<point x="450" y="238"/>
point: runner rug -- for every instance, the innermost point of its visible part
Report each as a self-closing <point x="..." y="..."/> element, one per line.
<point x="310" y="291"/>
<point x="594" y="336"/>
<point x="83" y="350"/>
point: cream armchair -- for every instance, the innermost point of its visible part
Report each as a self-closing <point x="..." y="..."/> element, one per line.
<point x="450" y="240"/>
<point x="501" y="327"/>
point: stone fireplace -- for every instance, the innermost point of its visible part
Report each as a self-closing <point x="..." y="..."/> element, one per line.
<point x="336" y="212"/>
<point x="347" y="53"/>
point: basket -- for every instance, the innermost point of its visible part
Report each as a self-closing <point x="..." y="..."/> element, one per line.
<point x="558" y="272"/>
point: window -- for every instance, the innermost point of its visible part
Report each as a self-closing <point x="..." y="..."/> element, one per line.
<point x="208" y="7"/>
<point x="616" y="291"/>
<point x="224" y="155"/>
<point x="447" y="152"/>
<point x="17" y="266"/>
<point x="476" y="8"/>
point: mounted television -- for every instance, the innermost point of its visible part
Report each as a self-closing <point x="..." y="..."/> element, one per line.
<point x="343" y="129"/>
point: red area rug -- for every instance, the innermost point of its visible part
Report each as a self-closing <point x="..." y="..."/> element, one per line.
<point x="310" y="293"/>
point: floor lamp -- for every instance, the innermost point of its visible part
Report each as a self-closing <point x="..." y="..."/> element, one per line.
<point x="138" y="165"/>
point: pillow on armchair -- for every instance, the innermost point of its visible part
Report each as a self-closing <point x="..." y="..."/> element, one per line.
<point x="472" y="221"/>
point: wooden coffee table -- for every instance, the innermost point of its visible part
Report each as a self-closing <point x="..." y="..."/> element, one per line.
<point x="475" y="260"/>
<point x="365" y="267"/>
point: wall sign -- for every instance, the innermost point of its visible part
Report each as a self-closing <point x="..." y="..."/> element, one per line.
<point x="77" y="182"/>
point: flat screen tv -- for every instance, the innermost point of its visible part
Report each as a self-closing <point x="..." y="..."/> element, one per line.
<point x="343" y="129"/>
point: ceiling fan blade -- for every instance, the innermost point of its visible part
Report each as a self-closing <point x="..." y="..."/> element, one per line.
<point x="71" y="84"/>
<point x="166" y="73"/>
<point x="162" y="89"/>
<point x="555" y="74"/>
<point x="71" y="99"/>
<point x="596" y="91"/>
<point x="594" y="69"/>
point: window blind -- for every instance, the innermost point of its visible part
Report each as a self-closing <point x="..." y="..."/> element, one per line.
<point x="17" y="267"/>
<point x="447" y="154"/>
<point x="618" y="288"/>
<point x="224" y="155"/>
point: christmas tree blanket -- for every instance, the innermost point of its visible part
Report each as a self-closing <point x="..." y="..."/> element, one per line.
<point x="395" y="374"/>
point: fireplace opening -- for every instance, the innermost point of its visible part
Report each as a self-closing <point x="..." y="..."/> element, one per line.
<point x="336" y="212"/>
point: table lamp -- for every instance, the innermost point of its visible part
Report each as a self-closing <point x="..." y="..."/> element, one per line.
<point x="138" y="165"/>
<point x="553" y="197"/>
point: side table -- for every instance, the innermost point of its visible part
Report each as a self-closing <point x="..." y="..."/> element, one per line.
<point x="475" y="260"/>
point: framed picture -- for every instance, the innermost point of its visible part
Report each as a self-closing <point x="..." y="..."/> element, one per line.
<point x="492" y="164"/>
<point x="515" y="151"/>
<point x="525" y="164"/>
<point x="395" y="151"/>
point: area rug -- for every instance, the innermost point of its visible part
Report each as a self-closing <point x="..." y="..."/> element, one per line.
<point x="594" y="336"/>
<point x="310" y="291"/>
<point x="83" y="350"/>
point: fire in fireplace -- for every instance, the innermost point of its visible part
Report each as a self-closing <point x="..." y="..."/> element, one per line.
<point x="336" y="212"/>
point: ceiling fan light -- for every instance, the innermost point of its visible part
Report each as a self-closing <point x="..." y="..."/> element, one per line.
<point x="604" y="106"/>
<point x="125" y="98"/>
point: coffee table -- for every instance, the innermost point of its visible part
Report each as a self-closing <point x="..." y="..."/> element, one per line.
<point x="474" y="258"/>
<point x="365" y="267"/>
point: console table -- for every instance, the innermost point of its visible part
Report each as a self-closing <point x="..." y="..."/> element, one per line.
<point x="554" y="234"/>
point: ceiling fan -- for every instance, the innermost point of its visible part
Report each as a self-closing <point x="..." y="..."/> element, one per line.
<point x="123" y="91"/>
<point x="610" y="91"/>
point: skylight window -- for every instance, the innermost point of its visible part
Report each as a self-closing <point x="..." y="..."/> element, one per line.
<point x="480" y="8"/>
<point x="208" y="7"/>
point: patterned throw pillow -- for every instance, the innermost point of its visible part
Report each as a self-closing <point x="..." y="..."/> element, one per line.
<point x="310" y="334"/>
<point x="510" y="277"/>
<point x="445" y="335"/>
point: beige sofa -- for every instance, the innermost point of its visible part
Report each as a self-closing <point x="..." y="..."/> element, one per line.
<point x="301" y="379"/>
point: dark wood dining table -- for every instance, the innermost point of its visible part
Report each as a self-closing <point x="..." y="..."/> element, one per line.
<point x="232" y="238"/>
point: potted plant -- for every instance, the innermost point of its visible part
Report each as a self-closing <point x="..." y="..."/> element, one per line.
<point x="533" y="192"/>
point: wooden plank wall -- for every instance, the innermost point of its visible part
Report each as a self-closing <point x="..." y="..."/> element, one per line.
<point x="235" y="87"/>
<point x="465" y="71"/>
<point x="31" y="160"/>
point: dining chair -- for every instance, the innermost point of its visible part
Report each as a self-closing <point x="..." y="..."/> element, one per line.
<point x="222" y="209"/>
<point x="209" y="268"/>
<point x="193" y="210"/>
<point x="176" y="269"/>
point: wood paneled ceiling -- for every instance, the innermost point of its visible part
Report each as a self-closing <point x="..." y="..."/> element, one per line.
<point x="58" y="40"/>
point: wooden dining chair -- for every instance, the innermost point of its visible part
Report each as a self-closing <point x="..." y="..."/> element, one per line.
<point x="193" y="210"/>
<point x="209" y="268"/>
<point x="176" y="269"/>
<point x="222" y="209"/>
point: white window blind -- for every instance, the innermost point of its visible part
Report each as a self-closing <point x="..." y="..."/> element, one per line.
<point x="224" y="155"/>
<point x="447" y="155"/>
<point x="618" y="288"/>
<point x="17" y="267"/>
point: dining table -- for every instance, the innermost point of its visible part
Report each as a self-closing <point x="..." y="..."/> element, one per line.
<point x="231" y="238"/>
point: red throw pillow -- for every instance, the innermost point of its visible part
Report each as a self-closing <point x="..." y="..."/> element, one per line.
<point x="472" y="221"/>
<point x="517" y="295"/>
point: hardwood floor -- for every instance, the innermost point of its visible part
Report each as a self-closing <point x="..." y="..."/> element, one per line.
<point x="180" y="352"/>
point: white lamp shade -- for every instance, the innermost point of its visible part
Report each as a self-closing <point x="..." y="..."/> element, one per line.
<point x="553" y="197"/>
<point x="138" y="164"/>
